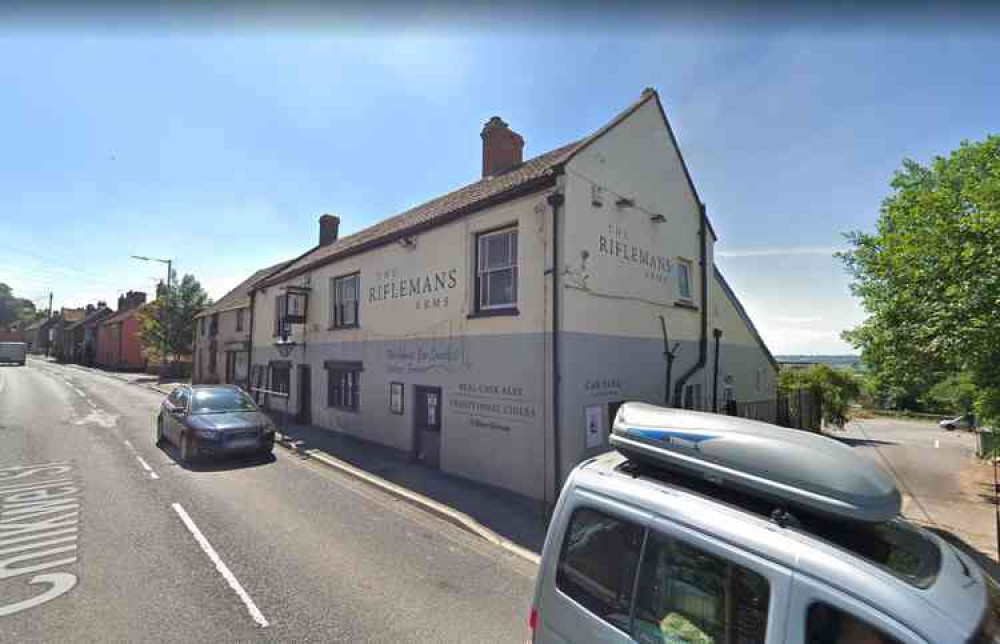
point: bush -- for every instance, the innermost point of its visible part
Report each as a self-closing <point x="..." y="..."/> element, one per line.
<point x="835" y="389"/>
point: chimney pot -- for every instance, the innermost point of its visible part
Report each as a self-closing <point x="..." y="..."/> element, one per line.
<point x="503" y="148"/>
<point x="329" y="228"/>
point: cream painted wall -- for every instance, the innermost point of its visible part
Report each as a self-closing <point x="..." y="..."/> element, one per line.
<point x="617" y="295"/>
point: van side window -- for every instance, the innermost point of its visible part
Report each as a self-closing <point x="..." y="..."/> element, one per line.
<point x="828" y="625"/>
<point x="597" y="564"/>
<point x="688" y="595"/>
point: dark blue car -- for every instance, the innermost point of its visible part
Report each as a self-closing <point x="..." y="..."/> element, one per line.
<point x="213" y="420"/>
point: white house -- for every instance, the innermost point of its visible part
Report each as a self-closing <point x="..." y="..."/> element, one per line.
<point x="493" y="331"/>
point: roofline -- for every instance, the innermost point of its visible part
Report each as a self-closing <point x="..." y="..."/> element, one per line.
<point x="208" y="311"/>
<point x="743" y="314"/>
<point x="530" y="187"/>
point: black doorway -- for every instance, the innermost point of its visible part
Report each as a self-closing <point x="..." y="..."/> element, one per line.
<point x="305" y="395"/>
<point x="427" y="424"/>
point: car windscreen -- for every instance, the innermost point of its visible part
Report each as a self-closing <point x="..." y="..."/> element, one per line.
<point x="895" y="546"/>
<point x="209" y="401"/>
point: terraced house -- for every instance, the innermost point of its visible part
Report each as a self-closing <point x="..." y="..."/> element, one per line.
<point x="493" y="332"/>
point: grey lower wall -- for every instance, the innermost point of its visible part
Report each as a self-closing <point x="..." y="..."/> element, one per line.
<point x="495" y="398"/>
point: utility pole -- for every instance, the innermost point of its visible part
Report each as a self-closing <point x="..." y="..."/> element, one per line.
<point x="48" y="330"/>
<point x="50" y="303"/>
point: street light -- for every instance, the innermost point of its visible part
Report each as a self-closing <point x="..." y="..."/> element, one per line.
<point x="166" y="303"/>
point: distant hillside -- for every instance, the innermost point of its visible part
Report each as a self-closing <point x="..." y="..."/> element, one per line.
<point x="833" y="361"/>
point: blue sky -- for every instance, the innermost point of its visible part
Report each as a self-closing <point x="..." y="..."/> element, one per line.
<point x="222" y="151"/>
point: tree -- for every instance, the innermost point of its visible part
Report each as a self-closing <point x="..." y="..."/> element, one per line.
<point x="835" y="389"/>
<point x="14" y="309"/>
<point x="929" y="276"/>
<point x="172" y="322"/>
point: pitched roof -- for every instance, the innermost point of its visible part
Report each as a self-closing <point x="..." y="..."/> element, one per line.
<point x="72" y="315"/>
<point x="94" y="316"/>
<point x="523" y="179"/>
<point x="239" y="297"/>
<point x="743" y="314"/>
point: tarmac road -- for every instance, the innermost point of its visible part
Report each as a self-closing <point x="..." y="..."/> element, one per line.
<point x="114" y="540"/>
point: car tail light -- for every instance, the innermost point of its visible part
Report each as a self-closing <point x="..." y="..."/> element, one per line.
<point x="533" y="622"/>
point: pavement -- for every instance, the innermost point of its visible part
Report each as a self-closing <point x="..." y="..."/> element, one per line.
<point x="130" y="545"/>
<point x="939" y="475"/>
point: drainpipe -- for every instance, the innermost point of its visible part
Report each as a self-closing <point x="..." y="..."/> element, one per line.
<point x="703" y="341"/>
<point x="717" y="334"/>
<point x="555" y="200"/>
<point x="253" y="296"/>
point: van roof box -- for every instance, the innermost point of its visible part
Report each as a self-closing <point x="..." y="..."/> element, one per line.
<point x="786" y="466"/>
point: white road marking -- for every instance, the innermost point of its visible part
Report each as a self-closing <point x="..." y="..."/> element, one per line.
<point x="937" y="443"/>
<point x="220" y="566"/>
<point x="144" y="464"/>
<point x="153" y="475"/>
<point x="3" y="383"/>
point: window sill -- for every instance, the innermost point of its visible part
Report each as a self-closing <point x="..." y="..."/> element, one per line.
<point x="342" y="327"/>
<point x="684" y="304"/>
<point x="493" y="313"/>
<point x="344" y="409"/>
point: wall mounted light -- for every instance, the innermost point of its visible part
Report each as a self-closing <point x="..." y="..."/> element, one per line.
<point x="624" y="202"/>
<point x="407" y="242"/>
<point x="657" y="218"/>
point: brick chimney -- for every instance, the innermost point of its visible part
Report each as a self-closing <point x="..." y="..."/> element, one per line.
<point x="502" y="147"/>
<point x="329" y="227"/>
<point x="131" y="300"/>
<point x="121" y="302"/>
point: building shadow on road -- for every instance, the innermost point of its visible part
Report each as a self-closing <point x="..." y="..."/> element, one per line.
<point x="985" y="561"/>
<point x="861" y="442"/>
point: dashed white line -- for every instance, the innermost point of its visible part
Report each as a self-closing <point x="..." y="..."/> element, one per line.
<point x="937" y="443"/>
<point x="153" y="475"/>
<point x="220" y="566"/>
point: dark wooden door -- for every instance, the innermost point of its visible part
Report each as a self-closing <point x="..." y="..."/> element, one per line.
<point x="305" y="395"/>
<point x="427" y="424"/>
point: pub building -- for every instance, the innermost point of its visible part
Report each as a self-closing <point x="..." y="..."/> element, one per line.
<point x="492" y="332"/>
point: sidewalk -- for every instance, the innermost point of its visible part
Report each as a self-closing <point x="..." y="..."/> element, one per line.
<point x="514" y="518"/>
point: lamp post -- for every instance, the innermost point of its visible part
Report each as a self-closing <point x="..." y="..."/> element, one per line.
<point x="166" y="304"/>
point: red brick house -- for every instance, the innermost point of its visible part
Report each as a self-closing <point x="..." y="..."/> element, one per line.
<point x="118" y="345"/>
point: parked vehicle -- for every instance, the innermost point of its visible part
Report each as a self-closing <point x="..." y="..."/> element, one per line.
<point x="213" y="420"/>
<point x="718" y="529"/>
<point x="965" y="421"/>
<point x="15" y="352"/>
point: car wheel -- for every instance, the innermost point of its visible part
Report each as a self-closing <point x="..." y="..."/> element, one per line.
<point x="950" y="427"/>
<point x="187" y="449"/>
<point x="160" y="440"/>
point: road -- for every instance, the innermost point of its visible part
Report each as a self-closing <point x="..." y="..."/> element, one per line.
<point x="928" y="464"/>
<point x="115" y="540"/>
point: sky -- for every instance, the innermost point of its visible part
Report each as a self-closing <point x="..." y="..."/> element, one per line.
<point x="220" y="149"/>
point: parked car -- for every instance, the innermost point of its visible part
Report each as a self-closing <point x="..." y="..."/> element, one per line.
<point x="966" y="421"/>
<point x="652" y="551"/>
<point x="15" y="352"/>
<point x="213" y="420"/>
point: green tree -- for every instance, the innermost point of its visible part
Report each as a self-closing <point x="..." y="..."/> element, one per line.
<point x="14" y="309"/>
<point x="171" y="320"/>
<point x="836" y="389"/>
<point x="929" y="277"/>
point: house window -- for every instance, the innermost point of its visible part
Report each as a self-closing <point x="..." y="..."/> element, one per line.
<point x="214" y="326"/>
<point x="281" y="375"/>
<point x="496" y="275"/>
<point x="280" y="308"/>
<point x="203" y="327"/>
<point x="212" y="358"/>
<point x="684" y="280"/>
<point x="343" y="384"/>
<point x="344" y="296"/>
<point x="396" y="397"/>
<point x="239" y="319"/>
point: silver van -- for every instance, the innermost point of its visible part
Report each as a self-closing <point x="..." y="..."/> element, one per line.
<point x="640" y="553"/>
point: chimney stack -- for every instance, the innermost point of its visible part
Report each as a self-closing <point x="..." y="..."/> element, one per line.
<point x="329" y="227"/>
<point x="121" y="302"/>
<point x="502" y="147"/>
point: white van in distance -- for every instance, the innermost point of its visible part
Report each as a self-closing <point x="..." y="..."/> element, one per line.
<point x="13" y="352"/>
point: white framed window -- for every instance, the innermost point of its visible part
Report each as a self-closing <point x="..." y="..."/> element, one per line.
<point x="496" y="270"/>
<point x="239" y="319"/>
<point x="684" y="280"/>
<point x="280" y="309"/>
<point x="344" y="293"/>
<point x="343" y="385"/>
